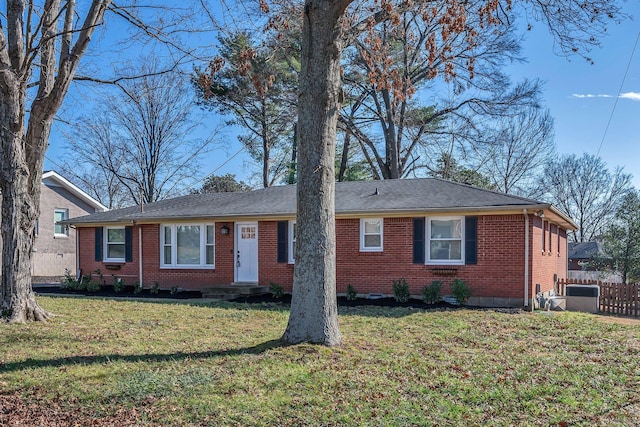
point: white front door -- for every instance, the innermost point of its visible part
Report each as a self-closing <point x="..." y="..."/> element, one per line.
<point x="246" y="252"/>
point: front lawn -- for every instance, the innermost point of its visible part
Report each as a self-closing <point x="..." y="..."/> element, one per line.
<point x="112" y="362"/>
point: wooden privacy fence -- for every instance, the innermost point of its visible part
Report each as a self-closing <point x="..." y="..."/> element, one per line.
<point x="615" y="298"/>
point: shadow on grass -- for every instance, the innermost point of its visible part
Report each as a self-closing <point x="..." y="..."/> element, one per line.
<point x="132" y="358"/>
<point x="382" y="307"/>
<point x="386" y="307"/>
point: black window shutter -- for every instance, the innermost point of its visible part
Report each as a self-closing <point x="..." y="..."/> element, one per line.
<point x="471" y="240"/>
<point x="283" y="244"/>
<point x="128" y="238"/>
<point x="98" y="244"/>
<point x="418" y="240"/>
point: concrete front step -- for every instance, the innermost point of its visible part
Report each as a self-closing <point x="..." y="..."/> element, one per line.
<point x="234" y="290"/>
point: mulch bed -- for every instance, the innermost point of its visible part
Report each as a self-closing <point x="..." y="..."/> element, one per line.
<point x="285" y="300"/>
<point x="127" y="292"/>
<point x="344" y="302"/>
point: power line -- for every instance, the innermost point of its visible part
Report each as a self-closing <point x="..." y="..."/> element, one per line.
<point x="619" y="93"/>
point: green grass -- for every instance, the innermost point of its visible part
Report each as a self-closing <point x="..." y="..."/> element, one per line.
<point x="223" y="364"/>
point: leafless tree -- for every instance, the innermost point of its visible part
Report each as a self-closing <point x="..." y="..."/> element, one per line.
<point x="41" y="46"/>
<point x="327" y="26"/>
<point x="522" y="145"/>
<point x="391" y="71"/>
<point x="584" y="189"/>
<point x="142" y="137"/>
<point x="313" y="314"/>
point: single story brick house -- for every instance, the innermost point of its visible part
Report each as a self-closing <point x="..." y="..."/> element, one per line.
<point x="507" y="248"/>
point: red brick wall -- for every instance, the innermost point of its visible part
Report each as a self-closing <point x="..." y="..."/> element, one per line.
<point x="269" y="269"/>
<point x="499" y="271"/>
<point x="152" y="273"/>
<point x="549" y="261"/>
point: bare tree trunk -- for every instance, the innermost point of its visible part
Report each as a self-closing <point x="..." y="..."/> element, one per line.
<point x="291" y="176"/>
<point x="314" y="312"/>
<point x="20" y="209"/>
<point x="266" y="145"/>
<point x="22" y="152"/>
<point x="391" y="139"/>
<point x="345" y="155"/>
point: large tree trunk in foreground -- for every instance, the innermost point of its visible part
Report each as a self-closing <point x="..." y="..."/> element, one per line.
<point x="22" y="147"/>
<point x="314" y="313"/>
<point x="20" y="209"/>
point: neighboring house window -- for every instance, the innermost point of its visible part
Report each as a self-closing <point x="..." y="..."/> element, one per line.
<point x="544" y="236"/>
<point x="558" y="234"/>
<point x="445" y="240"/>
<point x="114" y="244"/>
<point x="371" y="233"/>
<point x="292" y="242"/>
<point x="60" y="215"/>
<point x="37" y="228"/>
<point x="187" y="245"/>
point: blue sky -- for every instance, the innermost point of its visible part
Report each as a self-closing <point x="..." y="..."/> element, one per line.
<point x="580" y="96"/>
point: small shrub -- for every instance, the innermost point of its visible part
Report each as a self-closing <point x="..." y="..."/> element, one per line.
<point x="401" y="290"/>
<point x="460" y="290"/>
<point x="276" y="290"/>
<point x="352" y="294"/>
<point x="137" y="287"/>
<point x="431" y="294"/>
<point x="154" y="288"/>
<point x="93" y="286"/>
<point x="118" y="285"/>
<point x="69" y="281"/>
<point x="174" y="290"/>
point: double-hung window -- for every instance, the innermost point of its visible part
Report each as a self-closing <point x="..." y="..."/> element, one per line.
<point x="60" y="229"/>
<point x="445" y="240"/>
<point x="292" y="242"/>
<point x="187" y="245"/>
<point x="114" y="244"/>
<point x="371" y="234"/>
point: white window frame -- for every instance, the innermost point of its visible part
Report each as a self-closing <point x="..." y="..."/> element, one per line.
<point x="65" y="229"/>
<point x="174" y="247"/>
<point x="106" y="243"/>
<point x="428" y="239"/>
<point x="291" y="237"/>
<point x="364" y="248"/>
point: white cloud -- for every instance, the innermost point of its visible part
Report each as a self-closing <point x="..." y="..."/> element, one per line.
<point x="589" y="95"/>
<point x="634" y="96"/>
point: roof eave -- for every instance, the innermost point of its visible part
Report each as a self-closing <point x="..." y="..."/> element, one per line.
<point x="73" y="189"/>
<point x="140" y="219"/>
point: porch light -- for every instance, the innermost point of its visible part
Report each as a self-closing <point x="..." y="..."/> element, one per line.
<point x="224" y="230"/>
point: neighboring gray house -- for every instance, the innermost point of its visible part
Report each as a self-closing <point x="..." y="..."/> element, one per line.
<point x="580" y="253"/>
<point x="55" y="245"/>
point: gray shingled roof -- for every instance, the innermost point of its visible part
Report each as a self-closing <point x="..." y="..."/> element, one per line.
<point x="393" y="196"/>
<point x="584" y="250"/>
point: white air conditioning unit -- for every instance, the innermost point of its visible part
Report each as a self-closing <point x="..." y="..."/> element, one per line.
<point x="585" y="298"/>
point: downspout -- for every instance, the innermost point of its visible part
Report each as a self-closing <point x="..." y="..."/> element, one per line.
<point x="526" y="258"/>
<point x="140" y="255"/>
<point x="77" y="252"/>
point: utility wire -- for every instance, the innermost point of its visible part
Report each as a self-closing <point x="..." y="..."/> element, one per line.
<point x="619" y="93"/>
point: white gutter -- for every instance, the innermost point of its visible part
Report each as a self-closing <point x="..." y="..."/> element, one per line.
<point x="140" y="254"/>
<point x="526" y="258"/>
